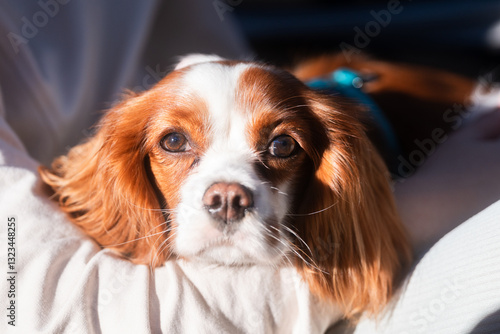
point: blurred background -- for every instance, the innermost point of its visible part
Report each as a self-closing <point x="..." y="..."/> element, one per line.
<point x="458" y="35"/>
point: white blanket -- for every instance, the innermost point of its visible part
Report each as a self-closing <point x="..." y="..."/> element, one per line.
<point x="51" y="86"/>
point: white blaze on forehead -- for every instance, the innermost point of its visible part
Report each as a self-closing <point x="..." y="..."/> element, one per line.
<point x="216" y="84"/>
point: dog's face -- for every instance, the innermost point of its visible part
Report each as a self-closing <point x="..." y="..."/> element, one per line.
<point x="239" y="163"/>
<point x="233" y="146"/>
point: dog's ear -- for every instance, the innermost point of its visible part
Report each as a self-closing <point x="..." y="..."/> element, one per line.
<point x="196" y="58"/>
<point x="103" y="185"/>
<point x="356" y="243"/>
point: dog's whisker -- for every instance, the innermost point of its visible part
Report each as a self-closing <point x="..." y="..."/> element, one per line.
<point x="171" y="231"/>
<point x="311" y="213"/>
<point x="295" y="250"/>
<point x="260" y="160"/>
<point x="299" y="239"/>
<point x="134" y="240"/>
<point x="291" y="247"/>
<point x="288" y="245"/>
<point x="167" y="211"/>
<point x="165" y="244"/>
<point x="279" y="191"/>
<point x="148" y="234"/>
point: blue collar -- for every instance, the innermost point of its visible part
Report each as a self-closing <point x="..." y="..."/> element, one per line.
<point x="348" y="83"/>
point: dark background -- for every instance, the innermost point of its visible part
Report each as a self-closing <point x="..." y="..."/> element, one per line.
<point x="453" y="35"/>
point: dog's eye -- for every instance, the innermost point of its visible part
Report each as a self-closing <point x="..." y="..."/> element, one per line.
<point x="282" y="146"/>
<point x="175" y="142"/>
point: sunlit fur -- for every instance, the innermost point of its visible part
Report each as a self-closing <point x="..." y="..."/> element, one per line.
<point x="328" y="210"/>
<point x="369" y="242"/>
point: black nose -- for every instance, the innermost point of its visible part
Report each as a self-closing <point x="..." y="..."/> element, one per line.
<point x="227" y="202"/>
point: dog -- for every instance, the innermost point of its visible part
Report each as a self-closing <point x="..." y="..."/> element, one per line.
<point x="240" y="163"/>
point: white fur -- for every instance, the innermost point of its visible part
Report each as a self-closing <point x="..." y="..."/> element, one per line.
<point x="229" y="158"/>
<point x="196" y="58"/>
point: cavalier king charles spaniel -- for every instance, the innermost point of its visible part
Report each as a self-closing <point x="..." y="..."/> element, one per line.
<point x="240" y="163"/>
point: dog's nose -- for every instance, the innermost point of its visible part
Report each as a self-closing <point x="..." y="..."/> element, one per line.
<point x="227" y="202"/>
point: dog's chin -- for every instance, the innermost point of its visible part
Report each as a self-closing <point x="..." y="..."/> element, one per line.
<point x="234" y="251"/>
<point x="228" y="255"/>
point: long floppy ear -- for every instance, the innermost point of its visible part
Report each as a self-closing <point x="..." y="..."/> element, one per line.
<point x="356" y="242"/>
<point x="103" y="185"/>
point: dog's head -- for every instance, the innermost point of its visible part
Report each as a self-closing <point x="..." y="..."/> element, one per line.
<point x="239" y="163"/>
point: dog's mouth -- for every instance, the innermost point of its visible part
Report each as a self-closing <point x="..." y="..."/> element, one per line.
<point x="239" y="243"/>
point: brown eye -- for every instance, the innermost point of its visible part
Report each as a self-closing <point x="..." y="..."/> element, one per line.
<point x="282" y="146"/>
<point x="175" y="142"/>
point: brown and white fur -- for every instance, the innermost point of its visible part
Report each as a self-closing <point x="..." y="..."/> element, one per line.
<point x="239" y="163"/>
